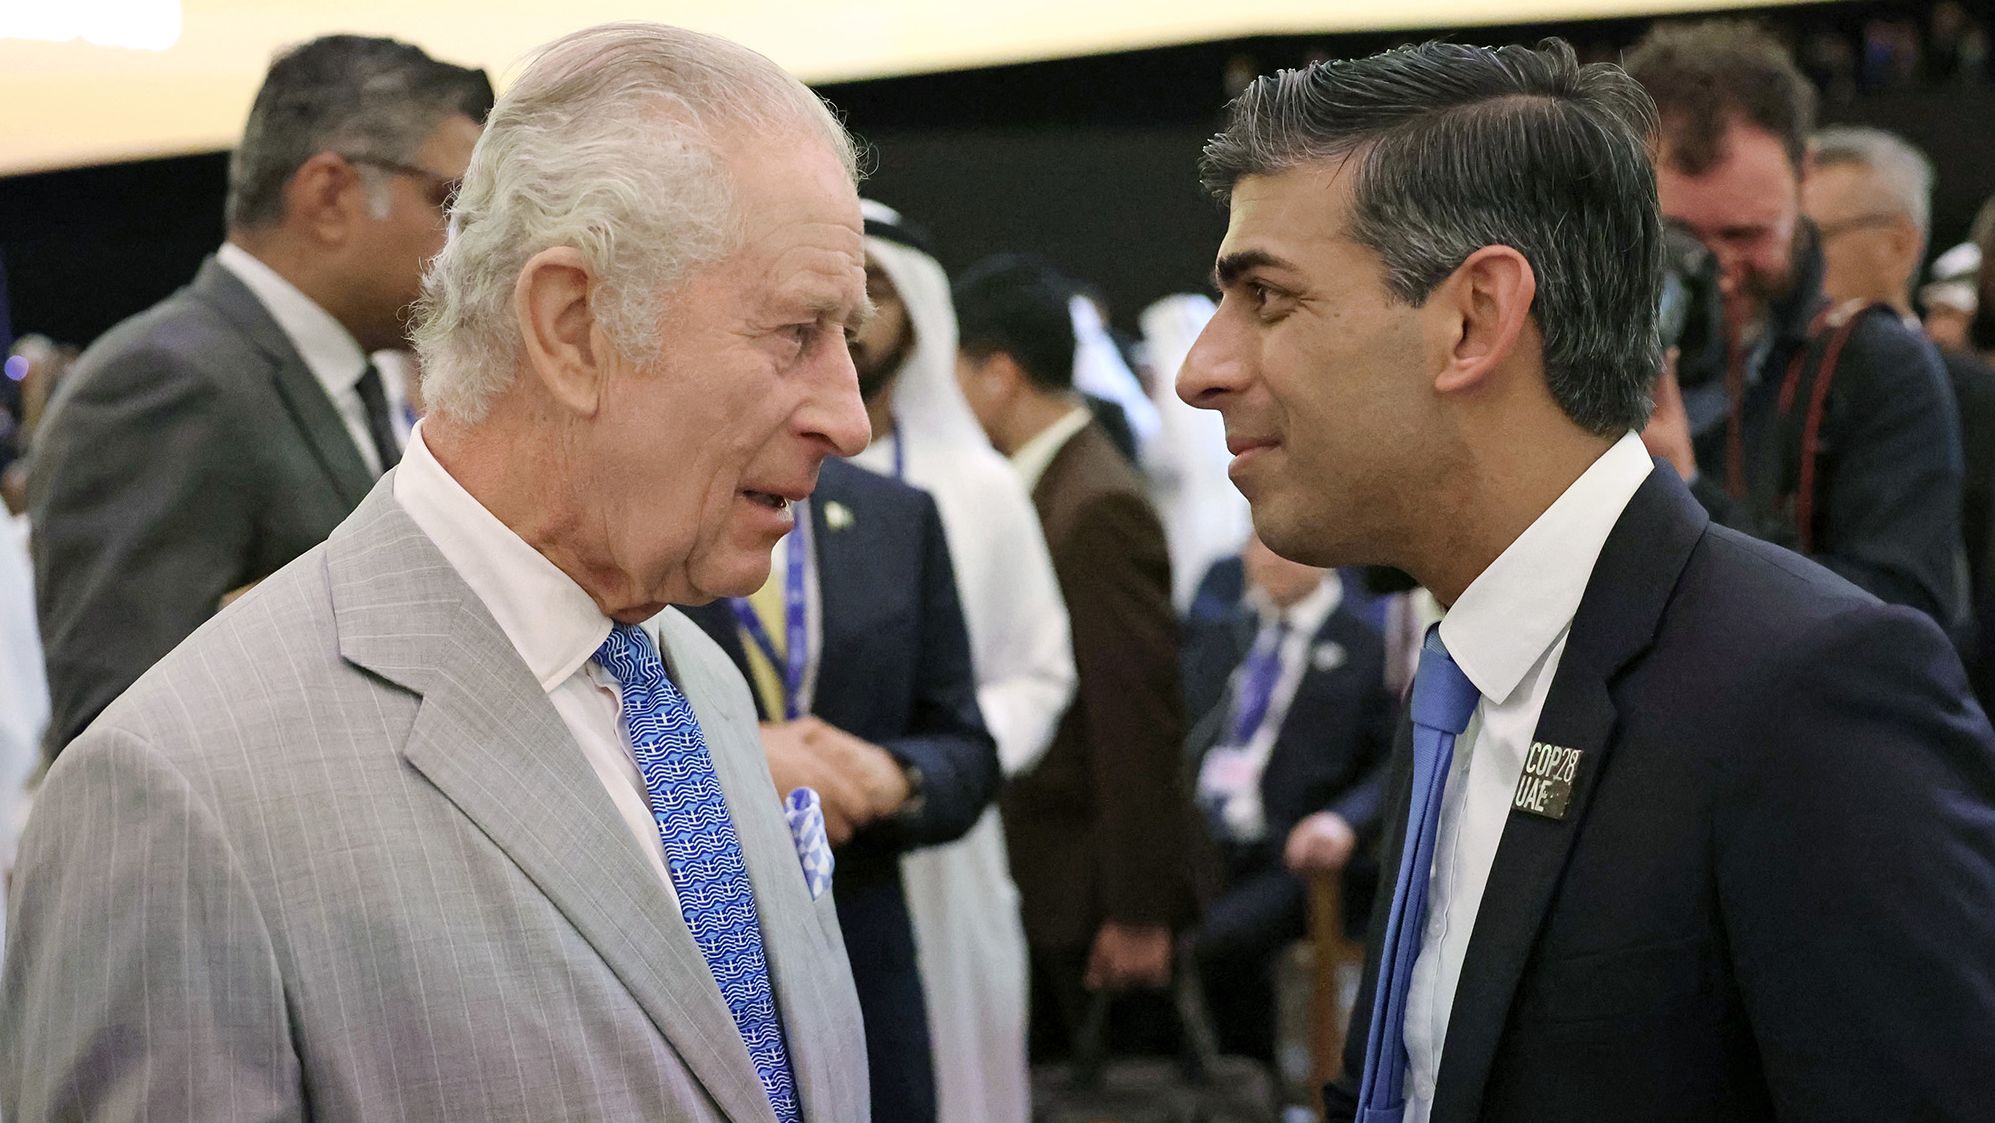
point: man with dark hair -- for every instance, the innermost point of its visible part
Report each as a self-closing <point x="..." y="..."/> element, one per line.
<point x="1683" y="826"/>
<point x="1099" y="829"/>
<point x="1830" y="429"/>
<point x="203" y="444"/>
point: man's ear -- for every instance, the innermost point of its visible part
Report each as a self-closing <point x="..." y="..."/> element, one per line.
<point x="324" y="197"/>
<point x="1483" y="307"/>
<point x="558" y="329"/>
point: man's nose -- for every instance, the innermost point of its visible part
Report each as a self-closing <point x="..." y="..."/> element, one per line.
<point x="1214" y="367"/>
<point x="836" y="413"/>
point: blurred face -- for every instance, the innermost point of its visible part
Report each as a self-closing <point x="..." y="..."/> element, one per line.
<point x="699" y="455"/>
<point x="1870" y="248"/>
<point x="1322" y="378"/>
<point x="1282" y="581"/>
<point x="1746" y="208"/>
<point x="1948" y="327"/>
<point x="990" y="384"/>
<point x="881" y="347"/>
<point x="386" y="254"/>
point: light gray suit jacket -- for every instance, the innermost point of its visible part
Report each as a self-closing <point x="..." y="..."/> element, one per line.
<point x="337" y="857"/>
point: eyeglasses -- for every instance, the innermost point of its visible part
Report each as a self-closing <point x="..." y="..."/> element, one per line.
<point x="1831" y="230"/>
<point x="439" y="189"/>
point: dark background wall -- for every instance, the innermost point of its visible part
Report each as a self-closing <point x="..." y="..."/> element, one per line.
<point x="1089" y="161"/>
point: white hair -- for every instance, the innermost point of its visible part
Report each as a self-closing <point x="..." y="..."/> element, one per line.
<point x="1902" y="171"/>
<point x="609" y="143"/>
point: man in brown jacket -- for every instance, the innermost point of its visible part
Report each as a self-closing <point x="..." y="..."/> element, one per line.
<point x="1099" y="831"/>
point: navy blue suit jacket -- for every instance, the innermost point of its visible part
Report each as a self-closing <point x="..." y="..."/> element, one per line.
<point x="1773" y="894"/>
<point x="894" y="669"/>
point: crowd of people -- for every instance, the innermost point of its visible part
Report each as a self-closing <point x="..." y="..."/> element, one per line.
<point x="433" y="640"/>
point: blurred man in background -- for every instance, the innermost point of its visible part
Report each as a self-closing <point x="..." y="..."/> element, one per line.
<point x="1099" y="829"/>
<point x="969" y="937"/>
<point x="1290" y="763"/>
<point x="201" y="445"/>
<point x="857" y="655"/>
<point x="1870" y="198"/>
<point x="1833" y="436"/>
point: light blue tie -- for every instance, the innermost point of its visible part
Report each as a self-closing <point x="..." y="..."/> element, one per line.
<point x="1443" y="701"/>
<point x="702" y="852"/>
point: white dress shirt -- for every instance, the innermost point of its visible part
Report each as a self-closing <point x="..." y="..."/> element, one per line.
<point x="1034" y="456"/>
<point x="328" y="349"/>
<point x="552" y="623"/>
<point x="1231" y="774"/>
<point x="1507" y="632"/>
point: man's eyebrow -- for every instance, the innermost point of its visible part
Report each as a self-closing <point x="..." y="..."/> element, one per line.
<point x="828" y="303"/>
<point x="1233" y="266"/>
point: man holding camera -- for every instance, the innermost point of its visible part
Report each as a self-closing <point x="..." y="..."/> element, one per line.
<point x="1826" y="428"/>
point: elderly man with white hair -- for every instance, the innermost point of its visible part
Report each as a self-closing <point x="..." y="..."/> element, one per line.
<point x="1869" y="194"/>
<point x="452" y="818"/>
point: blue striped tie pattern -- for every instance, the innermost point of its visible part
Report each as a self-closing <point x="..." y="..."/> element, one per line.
<point x="702" y="852"/>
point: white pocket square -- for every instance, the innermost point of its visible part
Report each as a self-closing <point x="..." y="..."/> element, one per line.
<point x="806" y="817"/>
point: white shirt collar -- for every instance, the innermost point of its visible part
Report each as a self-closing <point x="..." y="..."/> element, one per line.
<point x="552" y="623"/>
<point x="328" y="349"/>
<point x="1512" y="614"/>
<point x="1034" y="456"/>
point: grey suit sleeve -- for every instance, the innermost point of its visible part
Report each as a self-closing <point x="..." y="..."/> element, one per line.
<point x="140" y="981"/>
<point x="141" y="524"/>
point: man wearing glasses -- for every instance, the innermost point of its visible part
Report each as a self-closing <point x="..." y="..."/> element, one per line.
<point x="206" y="442"/>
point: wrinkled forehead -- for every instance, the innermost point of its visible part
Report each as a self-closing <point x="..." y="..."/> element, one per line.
<point x="1846" y="187"/>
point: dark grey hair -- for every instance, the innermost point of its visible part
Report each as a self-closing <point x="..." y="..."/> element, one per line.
<point x="1460" y="147"/>
<point x="1902" y="171"/>
<point x="351" y="94"/>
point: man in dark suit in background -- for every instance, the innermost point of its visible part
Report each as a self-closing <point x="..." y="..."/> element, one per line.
<point x="1869" y="483"/>
<point x="199" y="446"/>
<point x="1869" y="194"/>
<point x="1099" y="829"/>
<point x="1290" y="766"/>
<point x="1685" y="827"/>
<point x="860" y="661"/>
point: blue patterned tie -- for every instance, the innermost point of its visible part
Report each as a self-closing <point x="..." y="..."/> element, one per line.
<point x="702" y="852"/>
<point x="1443" y="701"/>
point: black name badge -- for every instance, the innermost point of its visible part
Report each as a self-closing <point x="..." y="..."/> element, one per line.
<point x="1545" y="788"/>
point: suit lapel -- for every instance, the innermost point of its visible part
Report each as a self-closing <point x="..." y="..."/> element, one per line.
<point x="304" y="396"/>
<point x="1616" y="621"/>
<point x="487" y="737"/>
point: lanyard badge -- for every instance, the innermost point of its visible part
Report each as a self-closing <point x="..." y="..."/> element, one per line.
<point x="795" y="658"/>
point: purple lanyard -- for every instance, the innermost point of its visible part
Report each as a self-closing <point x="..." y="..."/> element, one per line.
<point x="796" y="624"/>
<point x="900" y="452"/>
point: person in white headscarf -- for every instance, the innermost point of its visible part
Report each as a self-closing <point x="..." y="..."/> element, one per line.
<point x="24" y="700"/>
<point x="970" y="941"/>
<point x="1205" y="516"/>
<point x="1100" y="371"/>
